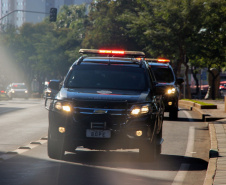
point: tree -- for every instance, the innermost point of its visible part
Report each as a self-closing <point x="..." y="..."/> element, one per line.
<point x="104" y="28"/>
<point x="47" y="50"/>
<point x="73" y="19"/>
<point x="175" y="29"/>
<point x="212" y="42"/>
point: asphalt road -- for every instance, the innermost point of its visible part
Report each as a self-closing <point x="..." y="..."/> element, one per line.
<point x="24" y="124"/>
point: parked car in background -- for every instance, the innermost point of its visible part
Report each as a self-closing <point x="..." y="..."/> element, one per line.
<point x="2" y="94"/>
<point x="222" y="88"/>
<point x="17" y="90"/>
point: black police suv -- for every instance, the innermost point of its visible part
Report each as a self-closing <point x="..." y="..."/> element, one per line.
<point x="48" y="92"/>
<point x="106" y="102"/>
<point x="168" y="83"/>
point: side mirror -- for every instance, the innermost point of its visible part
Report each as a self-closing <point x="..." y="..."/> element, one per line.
<point x="55" y="85"/>
<point x="180" y="80"/>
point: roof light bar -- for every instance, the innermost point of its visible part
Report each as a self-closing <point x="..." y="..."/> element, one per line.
<point x="159" y="60"/>
<point x="112" y="52"/>
<point x="162" y="60"/>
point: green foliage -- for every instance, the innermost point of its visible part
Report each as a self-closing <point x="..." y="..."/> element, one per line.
<point x="212" y="36"/>
<point x="176" y="29"/>
<point x="47" y="50"/>
<point x="105" y="29"/>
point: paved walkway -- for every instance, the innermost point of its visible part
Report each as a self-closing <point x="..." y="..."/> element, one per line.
<point x="216" y="118"/>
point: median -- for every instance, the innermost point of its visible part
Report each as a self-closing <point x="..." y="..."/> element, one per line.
<point x="198" y="104"/>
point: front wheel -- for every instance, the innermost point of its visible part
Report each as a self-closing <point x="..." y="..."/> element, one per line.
<point x="159" y="144"/>
<point x="55" y="148"/>
<point x="148" y="150"/>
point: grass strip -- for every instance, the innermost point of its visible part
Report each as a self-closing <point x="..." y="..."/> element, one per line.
<point x="199" y="102"/>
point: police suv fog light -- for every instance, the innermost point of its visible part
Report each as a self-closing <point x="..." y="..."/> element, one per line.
<point x="61" y="129"/>
<point x="139" y="133"/>
<point x="170" y="103"/>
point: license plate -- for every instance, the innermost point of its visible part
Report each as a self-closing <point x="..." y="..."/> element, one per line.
<point x="98" y="133"/>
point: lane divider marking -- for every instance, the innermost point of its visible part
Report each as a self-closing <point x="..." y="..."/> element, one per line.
<point x="23" y="149"/>
<point x="181" y="174"/>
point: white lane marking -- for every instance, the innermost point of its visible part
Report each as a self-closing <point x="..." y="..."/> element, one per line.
<point x="181" y="174"/>
<point x="22" y="149"/>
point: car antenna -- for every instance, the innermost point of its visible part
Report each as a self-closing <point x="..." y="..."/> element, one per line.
<point x="109" y="61"/>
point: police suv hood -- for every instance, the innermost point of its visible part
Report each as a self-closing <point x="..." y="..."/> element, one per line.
<point x="166" y="85"/>
<point x="101" y="94"/>
<point x="163" y="87"/>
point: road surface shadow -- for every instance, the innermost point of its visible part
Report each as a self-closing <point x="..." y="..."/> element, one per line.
<point x="4" y="110"/>
<point x="94" y="167"/>
<point x="183" y="119"/>
<point x="120" y="159"/>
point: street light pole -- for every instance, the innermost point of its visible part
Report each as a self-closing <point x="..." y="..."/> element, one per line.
<point x="21" y="11"/>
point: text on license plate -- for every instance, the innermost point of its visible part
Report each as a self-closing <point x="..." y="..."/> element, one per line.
<point x="98" y="133"/>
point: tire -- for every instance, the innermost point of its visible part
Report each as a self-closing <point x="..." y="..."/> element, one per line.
<point x="173" y="114"/>
<point x="55" y="148"/>
<point x="147" y="151"/>
<point x="158" y="145"/>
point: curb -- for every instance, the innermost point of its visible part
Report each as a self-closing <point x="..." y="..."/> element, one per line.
<point x="214" y="152"/>
<point x="193" y="106"/>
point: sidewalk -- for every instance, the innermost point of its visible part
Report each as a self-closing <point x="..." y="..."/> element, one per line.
<point x="216" y="119"/>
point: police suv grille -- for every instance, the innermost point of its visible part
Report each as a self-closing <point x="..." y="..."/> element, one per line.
<point x="100" y="114"/>
<point x="101" y="107"/>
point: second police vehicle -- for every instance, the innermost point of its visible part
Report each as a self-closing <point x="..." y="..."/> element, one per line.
<point x="108" y="100"/>
<point x="168" y="83"/>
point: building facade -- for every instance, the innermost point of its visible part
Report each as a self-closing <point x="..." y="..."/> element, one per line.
<point x="17" y="12"/>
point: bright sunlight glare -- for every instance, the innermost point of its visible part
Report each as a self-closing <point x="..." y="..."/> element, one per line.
<point x="9" y="71"/>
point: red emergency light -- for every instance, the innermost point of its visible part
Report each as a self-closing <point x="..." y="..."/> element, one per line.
<point x="118" y="52"/>
<point x="112" y="52"/>
<point x="162" y="60"/>
<point x="159" y="60"/>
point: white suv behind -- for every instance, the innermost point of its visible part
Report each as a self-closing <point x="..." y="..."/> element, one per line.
<point x="17" y="90"/>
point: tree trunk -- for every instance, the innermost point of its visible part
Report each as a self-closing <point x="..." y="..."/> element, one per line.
<point x="187" y="82"/>
<point x="214" y="83"/>
<point x="197" y="89"/>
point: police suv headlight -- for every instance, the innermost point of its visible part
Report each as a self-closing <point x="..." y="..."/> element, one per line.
<point x="26" y="92"/>
<point x="62" y="106"/>
<point x="48" y="91"/>
<point x="171" y="91"/>
<point x="139" y="110"/>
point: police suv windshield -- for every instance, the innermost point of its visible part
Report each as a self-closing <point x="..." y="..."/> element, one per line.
<point x="111" y="76"/>
<point x="163" y="74"/>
